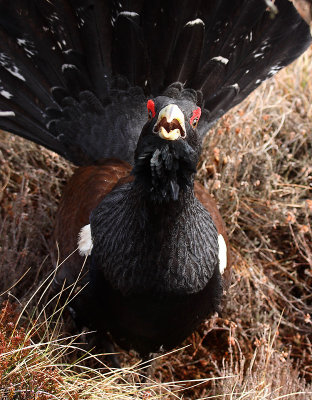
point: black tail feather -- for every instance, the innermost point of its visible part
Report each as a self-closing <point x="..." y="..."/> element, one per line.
<point x="188" y="47"/>
<point x="162" y="22"/>
<point x="129" y="56"/>
<point x="96" y="37"/>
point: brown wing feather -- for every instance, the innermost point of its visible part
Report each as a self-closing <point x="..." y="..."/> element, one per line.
<point x="84" y="191"/>
<point x="210" y="204"/>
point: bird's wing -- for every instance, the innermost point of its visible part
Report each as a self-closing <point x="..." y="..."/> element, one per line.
<point x="225" y="259"/>
<point x="75" y="74"/>
<point x="84" y="191"/>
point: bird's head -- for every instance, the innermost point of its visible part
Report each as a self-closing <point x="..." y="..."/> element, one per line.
<point x="168" y="148"/>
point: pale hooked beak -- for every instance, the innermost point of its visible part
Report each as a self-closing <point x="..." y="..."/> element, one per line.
<point x="170" y="124"/>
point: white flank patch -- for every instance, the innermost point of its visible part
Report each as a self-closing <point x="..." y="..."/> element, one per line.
<point x="7" y="114"/>
<point x="221" y="59"/>
<point x="222" y="254"/>
<point x="85" y="241"/>
<point x="6" y="94"/>
<point x="197" y="21"/>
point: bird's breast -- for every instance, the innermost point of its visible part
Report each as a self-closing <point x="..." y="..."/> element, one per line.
<point x="147" y="322"/>
<point x="142" y="251"/>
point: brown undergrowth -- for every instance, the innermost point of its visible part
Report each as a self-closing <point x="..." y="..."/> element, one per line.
<point x="25" y="371"/>
<point x="257" y="162"/>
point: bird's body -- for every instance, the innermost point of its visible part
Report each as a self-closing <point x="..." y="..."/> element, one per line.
<point x="146" y="311"/>
<point x="127" y="90"/>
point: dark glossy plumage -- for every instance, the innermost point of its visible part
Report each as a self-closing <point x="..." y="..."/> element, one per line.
<point x="75" y="76"/>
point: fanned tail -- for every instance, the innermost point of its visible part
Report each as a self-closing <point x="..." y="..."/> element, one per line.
<point x="75" y="74"/>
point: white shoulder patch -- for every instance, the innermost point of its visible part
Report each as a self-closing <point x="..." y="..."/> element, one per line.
<point x="85" y="241"/>
<point x="222" y="254"/>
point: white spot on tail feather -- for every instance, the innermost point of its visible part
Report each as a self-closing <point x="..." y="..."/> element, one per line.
<point x="235" y="86"/>
<point x="274" y="70"/>
<point x="85" y="241"/>
<point x="6" y="94"/>
<point x="129" y="14"/>
<point x="68" y="66"/>
<point x="7" y="114"/>
<point x="21" y="42"/>
<point x="27" y="45"/>
<point x="197" y="21"/>
<point x="15" y="71"/>
<point x="222" y="254"/>
<point x="221" y="59"/>
<point x="6" y="63"/>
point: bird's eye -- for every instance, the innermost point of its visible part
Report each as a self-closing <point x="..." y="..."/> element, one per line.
<point x="194" y="122"/>
<point x="151" y="109"/>
<point x="195" y="118"/>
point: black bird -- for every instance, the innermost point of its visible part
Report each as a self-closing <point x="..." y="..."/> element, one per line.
<point x="127" y="90"/>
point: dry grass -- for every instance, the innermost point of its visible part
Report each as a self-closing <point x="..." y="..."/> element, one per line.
<point x="32" y="370"/>
<point x="28" y="199"/>
<point x="257" y="162"/>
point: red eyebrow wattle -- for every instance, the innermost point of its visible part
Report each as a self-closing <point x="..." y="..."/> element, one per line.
<point x="151" y="107"/>
<point x="196" y="114"/>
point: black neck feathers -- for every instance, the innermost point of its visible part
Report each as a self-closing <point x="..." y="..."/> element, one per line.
<point x="164" y="169"/>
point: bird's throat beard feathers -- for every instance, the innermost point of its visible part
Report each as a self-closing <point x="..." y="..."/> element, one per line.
<point x="166" y="170"/>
